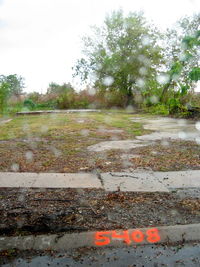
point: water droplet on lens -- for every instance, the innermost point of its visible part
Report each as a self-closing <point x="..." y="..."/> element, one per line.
<point x="162" y="78"/>
<point x="108" y="81"/>
<point x="15" y="167"/>
<point x="197" y="125"/>
<point x="29" y="155"/>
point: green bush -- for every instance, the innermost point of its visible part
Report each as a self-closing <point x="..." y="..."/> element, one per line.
<point x="66" y="100"/>
<point x="28" y="103"/>
<point x="112" y="99"/>
<point x="47" y="105"/>
<point x="159" y="109"/>
<point x="14" y="108"/>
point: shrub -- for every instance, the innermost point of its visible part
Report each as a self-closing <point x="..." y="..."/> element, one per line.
<point x="111" y="99"/>
<point x="4" y="93"/>
<point x="159" y="109"/>
<point x="28" y="103"/>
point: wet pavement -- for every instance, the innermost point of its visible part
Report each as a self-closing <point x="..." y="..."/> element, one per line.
<point x="150" y="255"/>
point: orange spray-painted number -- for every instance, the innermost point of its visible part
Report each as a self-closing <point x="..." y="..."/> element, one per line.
<point x="137" y="236"/>
<point x="153" y="235"/>
<point x="124" y="236"/>
<point x="100" y="239"/>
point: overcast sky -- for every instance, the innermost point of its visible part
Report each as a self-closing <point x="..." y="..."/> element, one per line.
<point x="40" y="39"/>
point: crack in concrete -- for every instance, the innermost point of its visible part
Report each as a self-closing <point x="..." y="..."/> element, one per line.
<point x="124" y="175"/>
<point x="98" y="174"/>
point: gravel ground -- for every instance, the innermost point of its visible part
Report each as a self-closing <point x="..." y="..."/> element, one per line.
<point x="25" y="211"/>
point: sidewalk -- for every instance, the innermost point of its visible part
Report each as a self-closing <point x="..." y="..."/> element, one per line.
<point x="133" y="182"/>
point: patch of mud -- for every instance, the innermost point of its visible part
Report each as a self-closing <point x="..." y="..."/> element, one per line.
<point x="33" y="139"/>
<point x="110" y="131"/>
<point x="4" y="141"/>
<point x="28" y="140"/>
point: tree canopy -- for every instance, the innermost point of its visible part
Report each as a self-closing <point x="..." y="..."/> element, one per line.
<point x="121" y="55"/>
<point x="15" y="83"/>
<point x="55" y="88"/>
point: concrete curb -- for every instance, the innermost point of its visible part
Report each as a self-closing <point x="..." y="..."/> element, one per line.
<point x="168" y="234"/>
<point x="36" y="112"/>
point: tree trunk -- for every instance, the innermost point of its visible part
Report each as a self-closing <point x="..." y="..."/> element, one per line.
<point x="165" y="89"/>
<point x="129" y="96"/>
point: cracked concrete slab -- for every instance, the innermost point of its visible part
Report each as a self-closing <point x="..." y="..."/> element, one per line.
<point x="56" y="111"/>
<point x="49" y="180"/>
<point x="134" y="182"/>
<point x="165" y="128"/>
<point x="169" y="135"/>
<point x="169" y="128"/>
<point x="119" y="144"/>
<point x="179" y="179"/>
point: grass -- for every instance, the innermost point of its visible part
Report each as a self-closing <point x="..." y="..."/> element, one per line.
<point x="60" y="125"/>
<point x="58" y="142"/>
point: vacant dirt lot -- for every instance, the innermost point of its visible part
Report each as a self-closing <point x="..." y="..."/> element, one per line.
<point x="59" y="142"/>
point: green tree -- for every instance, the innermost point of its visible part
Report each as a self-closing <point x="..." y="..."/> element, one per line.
<point x="121" y="55"/>
<point x="55" y="88"/>
<point x="177" y="50"/>
<point x="182" y="73"/>
<point x="4" y="93"/>
<point x="15" y="82"/>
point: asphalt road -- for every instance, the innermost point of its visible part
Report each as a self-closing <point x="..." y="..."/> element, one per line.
<point x="149" y="255"/>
